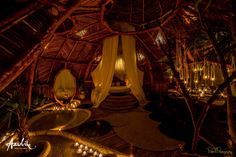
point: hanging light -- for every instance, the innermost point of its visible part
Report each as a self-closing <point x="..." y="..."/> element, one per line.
<point x="120" y="65"/>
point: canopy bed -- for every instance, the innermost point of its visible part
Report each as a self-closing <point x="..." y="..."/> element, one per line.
<point x="122" y="65"/>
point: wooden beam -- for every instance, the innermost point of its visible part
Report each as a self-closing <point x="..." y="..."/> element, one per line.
<point x="101" y="37"/>
<point x="84" y="41"/>
<point x="75" y="29"/>
<point x="71" y="51"/>
<point x="85" y="13"/>
<point x="63" y="61"/>
<point x="95" y="35"/>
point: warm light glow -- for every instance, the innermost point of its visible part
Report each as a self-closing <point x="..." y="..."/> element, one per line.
<point x="202" y="94"/>
<point x="120" y="65"/>
<point x="90" y="150"/>
<point x="84" y="153"/>
<point x="189" y="16"/>
<point x="76" y="144"/>
<point x="213" y="79"/>
<point x="79" y="151"/>
<point x="46" y="46"/>
<point x="81" y="33"/>
<point x="223" y="95"/>
<point x="98" y="58"/>
<point x="205" y="77"/>
<point x="160" y="39"/>
<point x="95" y="153"/>
<point x="140" y="56"/>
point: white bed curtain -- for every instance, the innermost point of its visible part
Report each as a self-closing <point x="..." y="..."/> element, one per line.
<point x="133" y="74"/>
<point x="103" y="74"/>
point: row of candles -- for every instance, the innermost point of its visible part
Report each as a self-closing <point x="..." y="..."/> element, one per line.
<point x="68" y="107"/>
<point x="84" y="150"/>
<point x="200" y="78"/>
<point x="200" y="72"/>
<point x="200" y="75"/>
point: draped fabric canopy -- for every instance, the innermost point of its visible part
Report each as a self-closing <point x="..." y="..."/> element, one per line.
<point x="103" y="74"/>
<point x="133" y="74"/>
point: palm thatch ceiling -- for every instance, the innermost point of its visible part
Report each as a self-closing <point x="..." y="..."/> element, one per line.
<point x="59" y="33"/>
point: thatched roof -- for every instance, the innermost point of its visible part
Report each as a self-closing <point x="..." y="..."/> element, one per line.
<point x="59" y="33"/>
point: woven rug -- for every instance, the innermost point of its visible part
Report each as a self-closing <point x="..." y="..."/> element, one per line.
<point x="137" y="129"/>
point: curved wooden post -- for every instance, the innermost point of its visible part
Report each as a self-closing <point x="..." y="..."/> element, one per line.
<point x="31" y="74"/>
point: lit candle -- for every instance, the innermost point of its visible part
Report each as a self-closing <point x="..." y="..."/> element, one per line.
<point x="86" y="148"/>
<point x="90" y="150"/>
<point x="100" y="155"/>
<point x="79" y="151"/>
<point x="76" y="144"/>
<point x="95" y="153"/>
<point x="81" y="146"/>
<point x="84" y="153"/>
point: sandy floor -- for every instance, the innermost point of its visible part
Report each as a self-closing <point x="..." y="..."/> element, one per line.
<point x="137" y="128"/>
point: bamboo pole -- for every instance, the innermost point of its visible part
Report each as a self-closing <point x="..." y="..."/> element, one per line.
<point x="30" y="83"/>
<point x="64" y="61"/>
